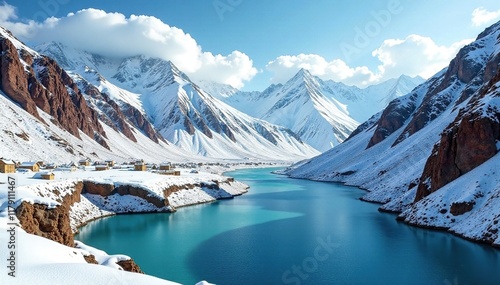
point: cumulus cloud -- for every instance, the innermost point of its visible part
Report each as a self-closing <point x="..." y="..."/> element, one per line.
<point x="481" y="16"/>
<point x="114" y="34"/>
<point x="414" y="55"/>
<point x="284" y="67"/>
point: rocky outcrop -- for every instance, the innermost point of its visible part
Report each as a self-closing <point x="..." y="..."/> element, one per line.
<point x="90" y="259"/>
<point x="51" y="223"/>
<point x="130" y="266"/>
<point x="35" y="81"/>
<point x="14" y="78"/>
<point x="95" y="188"/>
<point x="392" y="118"/>
<point x="175" y="188"/>
<point x="141" y="122"/>
<point x="159" y="202"/>
<point x="108" y="189"/>
<point x="457" y="209"/>
<point x="468" y="142"/>
<point x="111" y="113"/>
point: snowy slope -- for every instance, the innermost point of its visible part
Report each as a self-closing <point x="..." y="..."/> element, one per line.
<point x="180" y="110"/>
<point x="392" y="154"/>
<point x="43" y="261"/>
<point x="24" y="138"/>
<point x="322" y="113"/>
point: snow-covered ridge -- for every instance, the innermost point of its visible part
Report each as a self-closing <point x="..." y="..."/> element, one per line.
<point x="432" y="155"/>
<point x="322" y="113"/>
<point x="180" y="110"/>
<point x="49" y="262"/>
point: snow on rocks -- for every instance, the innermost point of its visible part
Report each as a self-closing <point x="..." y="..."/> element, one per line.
<point x="43" y="261"/>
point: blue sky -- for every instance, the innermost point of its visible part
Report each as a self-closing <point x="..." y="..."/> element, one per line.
<point x="250" y="44"/>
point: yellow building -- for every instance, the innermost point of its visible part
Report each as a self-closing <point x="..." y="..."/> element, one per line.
<point x="31" y="165"/>
<point x="101" y="167"/>
<point x="165" y="166"/>
<point x="7" y="166"/>
<point x="47" y="176"/>
<point x="140" y="166"/>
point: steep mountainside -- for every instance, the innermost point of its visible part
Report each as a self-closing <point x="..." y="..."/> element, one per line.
<point x="37" y="82"/>
<point x="180" y="110"/>
<point x="322" y="113"/>
<point x="48" y="114"/>
<point x="432" y="154"/>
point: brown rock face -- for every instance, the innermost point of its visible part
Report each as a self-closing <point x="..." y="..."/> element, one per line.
<point x="440" y="95"/>
<point x="393" y="118"/>
<point x="43" y="84"/>
<point x="142" y="193"/>
<point x="106" y="190"/>
<point x="130" y="266"/>
<point x="48" y="223"/>
<point x="468" y="142"/>
<point x="102" y="189"/>
<point x="140" y="122"/>
<point x="90" y="259"/>
<point x="457" y="209"/>
<point x="14" y="81"/>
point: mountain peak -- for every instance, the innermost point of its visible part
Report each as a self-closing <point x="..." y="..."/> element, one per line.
<point x="303" y="73"/>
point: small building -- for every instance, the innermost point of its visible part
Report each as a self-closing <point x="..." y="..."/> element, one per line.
<point x="7" y="166"/>
<point x="165" y="166"/>
<point x="101" y="167"/>
<point x="110" y="163"/>
<point x="84" y="162"/>
<point x="51" y="166"/>
<point x="47" y="175"/>
<point x="30" y="165"/>
<point x="140" y="166"/>
<point x="172" y="172"/>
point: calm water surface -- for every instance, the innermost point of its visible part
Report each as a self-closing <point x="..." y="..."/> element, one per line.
<point x="289" y="231"/>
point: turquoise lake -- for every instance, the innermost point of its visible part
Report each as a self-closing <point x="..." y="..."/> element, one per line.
<point x="290" y="231"/>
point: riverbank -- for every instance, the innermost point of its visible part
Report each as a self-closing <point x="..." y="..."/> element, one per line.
<point x="56" y="209"/>
<point x="466" y="207"/>
<point x="260" y="237"/>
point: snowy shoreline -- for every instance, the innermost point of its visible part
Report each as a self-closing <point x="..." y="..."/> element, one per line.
<point x="473" y="234"/>
<point x="71" y="192"/>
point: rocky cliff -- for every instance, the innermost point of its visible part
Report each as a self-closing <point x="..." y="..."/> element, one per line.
<point x="65" y="205"/>
<point x="34" y="81"/>
<point x="432" y="155"/>
<point x="466" y="143"/>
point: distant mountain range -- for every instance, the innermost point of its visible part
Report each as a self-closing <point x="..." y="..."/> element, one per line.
<point x="141" y="106"/>
<point x="432" y="155"/>
<point x="322" y="113"/>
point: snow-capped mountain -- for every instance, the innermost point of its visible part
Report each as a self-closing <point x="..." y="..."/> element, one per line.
<point x="322" y="113"/>
<point x="432" y="155"/>
<point x="46" y="116"/>
<point x="178" y="109"/>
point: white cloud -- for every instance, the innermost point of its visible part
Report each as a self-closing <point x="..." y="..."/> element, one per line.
<point x="414" y="55"/>
<point x="481" y="16"/>
<point x="284" y="67"/>
<point x="113" y="34"/>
